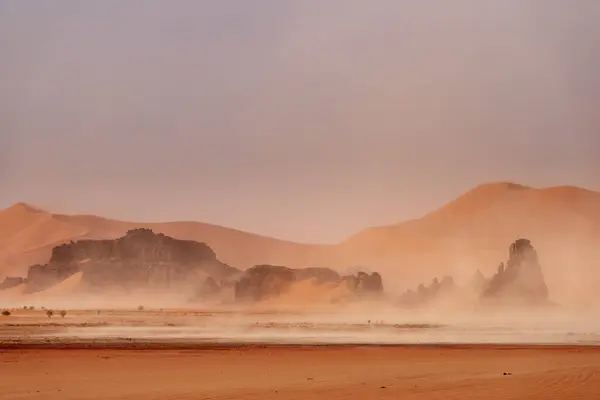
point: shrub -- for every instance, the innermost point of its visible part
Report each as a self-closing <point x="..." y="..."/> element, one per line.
<point x="49" y="313"/>
<point x="140" y="308"/>
<point x="63" y="313"/>
<point x="6" y="313"/>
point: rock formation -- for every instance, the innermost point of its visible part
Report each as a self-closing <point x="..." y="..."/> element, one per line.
<point x="10" y="282"/>
<point x="140" y="259"/>
<point x="364" y="283"/>
<point x="521" y="278"/>
<point x="425" y="294"/>
<point x="263" y="281"/>
<point x="267" y="281"/>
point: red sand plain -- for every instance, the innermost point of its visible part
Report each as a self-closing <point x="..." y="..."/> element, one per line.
<point x="302" y="372"/>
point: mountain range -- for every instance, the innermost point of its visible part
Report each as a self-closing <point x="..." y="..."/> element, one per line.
<point x="469" y="233"/>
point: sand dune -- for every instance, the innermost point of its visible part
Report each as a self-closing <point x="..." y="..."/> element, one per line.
<point x="28" y="234"/>
<point x="13" y="292"/>
<point x="472" y="232"/>
<point x="65" y="288"/>
<point x="500" y="211"/>
<point x="469" y="233"/>
<point x="18" y="296"/>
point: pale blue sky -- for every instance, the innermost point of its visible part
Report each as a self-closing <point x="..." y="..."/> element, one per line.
<point x="305" y="119"/>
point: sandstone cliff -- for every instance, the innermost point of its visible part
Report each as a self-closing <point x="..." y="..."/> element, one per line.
<point x="140" y="259"/>
<point x="262" y="282"/>
<point x="521" y="278"/>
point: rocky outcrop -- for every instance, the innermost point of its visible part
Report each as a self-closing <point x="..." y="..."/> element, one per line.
<point x="140" y="259"/>
<point x="425" y="294"/>
<point x="521" y="278"/>
<point x="10" y="282"/>
<point x="364" y="283"/>
<point x="369" y="283"/>
<point x="263" y="281"/>
<point x="267" y="281"/>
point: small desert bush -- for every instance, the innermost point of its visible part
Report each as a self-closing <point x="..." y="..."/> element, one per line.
<point x="6" y="313"/>
<point x="140" y="308"/>
<point x="49" y="313"/>
<point x="63" y="313"/>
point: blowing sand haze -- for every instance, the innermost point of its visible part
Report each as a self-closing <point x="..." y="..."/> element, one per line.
<point x="285" y="332"/>
<point x="340" y="199"/>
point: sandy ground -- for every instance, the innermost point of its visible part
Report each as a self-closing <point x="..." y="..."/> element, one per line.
<point x="293" y="372"/>
<point x="195" y="354"/>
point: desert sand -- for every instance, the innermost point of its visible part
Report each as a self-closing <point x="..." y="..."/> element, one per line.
<point x="292" y="372"/>
<point x="468" y="233"/>
<point x="303" y="345"/>
<point x="259" y="354"/>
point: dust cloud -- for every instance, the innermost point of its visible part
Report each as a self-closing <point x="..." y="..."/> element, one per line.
<point x="307" y="314"/>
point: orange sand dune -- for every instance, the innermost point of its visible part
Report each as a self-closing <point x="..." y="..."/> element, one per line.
<point x="18" y="296"/>
<point x="474" y="231"/>
<point x="65" y="288"/>
<point x="27" y="236"/>
<point x="469" y="233"/>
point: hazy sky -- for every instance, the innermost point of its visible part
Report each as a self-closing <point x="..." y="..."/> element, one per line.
<point x="305" y="119"/>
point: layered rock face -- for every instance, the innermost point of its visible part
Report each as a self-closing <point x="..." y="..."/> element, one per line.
<point x="267" y="281"/>
<point x="521" y="278"/>
<point x="140" y="259"/>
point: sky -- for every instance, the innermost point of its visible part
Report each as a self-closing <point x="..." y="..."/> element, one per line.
<point x="305" y="120"/>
